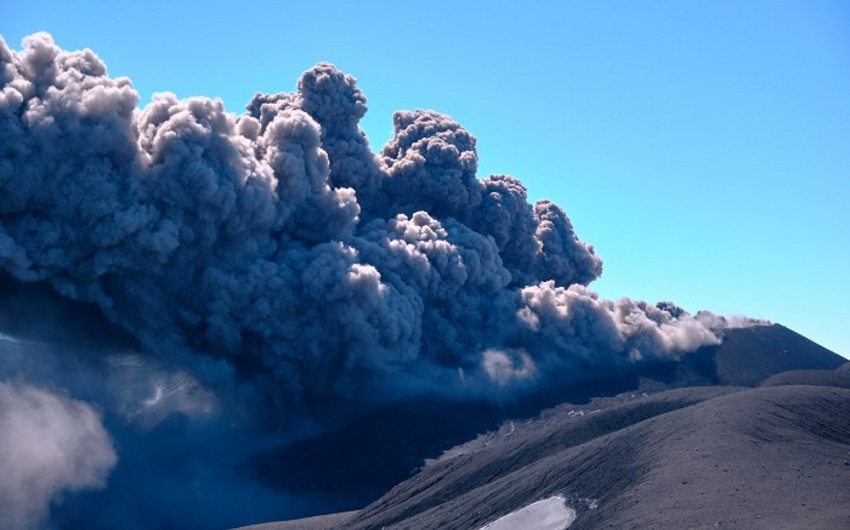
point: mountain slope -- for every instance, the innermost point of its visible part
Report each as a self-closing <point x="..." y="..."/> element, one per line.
<point x="772" y="457"/>
<point x="749" y="355"/>
<point x="363" y="458"/>
<point x="745" y="357"/>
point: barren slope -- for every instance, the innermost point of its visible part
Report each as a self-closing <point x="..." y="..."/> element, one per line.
<point x="773" y="457"/>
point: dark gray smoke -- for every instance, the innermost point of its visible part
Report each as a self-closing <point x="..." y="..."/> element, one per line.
<point x="267" y="267"/>
<point x="273" y="255"/>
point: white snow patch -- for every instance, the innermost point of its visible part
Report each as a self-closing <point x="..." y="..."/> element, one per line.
<point x="548" y="514"/>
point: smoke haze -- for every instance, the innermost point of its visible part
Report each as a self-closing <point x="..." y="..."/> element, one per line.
<point x="271" y="262"/>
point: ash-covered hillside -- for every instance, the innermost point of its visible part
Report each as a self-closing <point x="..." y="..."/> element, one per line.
<point x="372" y="453"/>
<point x="774" y="456"/>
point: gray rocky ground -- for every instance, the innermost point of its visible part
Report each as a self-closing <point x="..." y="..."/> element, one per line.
<point x="760" y="448"/>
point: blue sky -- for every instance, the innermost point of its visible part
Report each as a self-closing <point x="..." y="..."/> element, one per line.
<point x="701" y="147"/>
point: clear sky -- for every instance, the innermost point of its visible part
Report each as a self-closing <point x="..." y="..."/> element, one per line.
<point x="703" y="148"/>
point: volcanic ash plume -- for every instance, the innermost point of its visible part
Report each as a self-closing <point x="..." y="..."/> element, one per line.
<point x="273" y="254"/>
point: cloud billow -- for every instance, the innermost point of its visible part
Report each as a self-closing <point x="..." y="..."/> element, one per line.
<point x="274" y="254"/>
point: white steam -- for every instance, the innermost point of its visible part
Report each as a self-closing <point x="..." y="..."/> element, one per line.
<point x="49" y="445"/>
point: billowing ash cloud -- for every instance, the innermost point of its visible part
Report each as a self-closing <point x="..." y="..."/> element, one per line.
<point x="274" y="255"/>
<point x="49" y="445"/>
